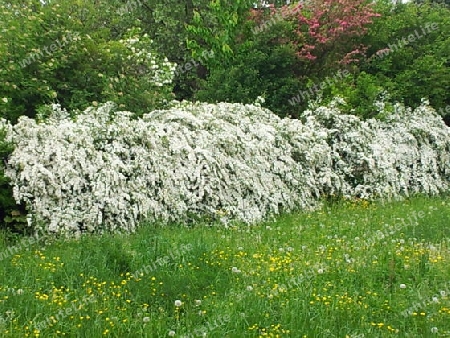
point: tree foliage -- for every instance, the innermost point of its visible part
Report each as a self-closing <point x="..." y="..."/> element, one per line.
<point x="407" y="57"/>
<point x="76" y="53"/>
<point x="394" y="51"/>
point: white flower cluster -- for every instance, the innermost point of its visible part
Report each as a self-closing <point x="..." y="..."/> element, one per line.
<point x="146" y="63"/>
<point x="5" y="139"/>
<point x="107" y="171"/>
<point x="6" y="129"/>
<point x="408" y="152"/>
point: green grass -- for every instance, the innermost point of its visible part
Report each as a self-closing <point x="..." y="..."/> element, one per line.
<point x="337" y="272"/>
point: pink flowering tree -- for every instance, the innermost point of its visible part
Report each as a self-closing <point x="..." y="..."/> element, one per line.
<point x="327" y="30"/>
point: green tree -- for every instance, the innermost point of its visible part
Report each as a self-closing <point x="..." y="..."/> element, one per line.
<point x="262" y="66"/>
<point x="409" y="53"/>
<point x="77" y="53"/>
<point x="217" y="29"/>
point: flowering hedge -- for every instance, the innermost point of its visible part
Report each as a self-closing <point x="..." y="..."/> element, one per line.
<point x="104" y="170"/>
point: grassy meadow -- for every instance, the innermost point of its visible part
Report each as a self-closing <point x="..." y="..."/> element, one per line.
<point x="351" y="269"/>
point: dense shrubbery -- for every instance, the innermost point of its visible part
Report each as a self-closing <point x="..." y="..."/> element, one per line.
<point x="12" y="215"/>
<point x="278" y="53"/>
<point x="77" y="61"/>
<point x="407" y="69"/>
<point x="106" y="171"/>
<point x="80" y="54"/>
<point x="260" y="68"/>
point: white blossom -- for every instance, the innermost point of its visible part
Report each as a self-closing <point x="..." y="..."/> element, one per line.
<point x="105" y="171"/>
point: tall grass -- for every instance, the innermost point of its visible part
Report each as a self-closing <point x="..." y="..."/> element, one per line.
<point x="352" y="269"/>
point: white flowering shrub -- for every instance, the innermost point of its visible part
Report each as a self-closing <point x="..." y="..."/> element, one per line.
<point x="406" y="153"/>
<point x="11" y="215"/>
<point x="105" y="171"/>
<point x="6" y="130"/>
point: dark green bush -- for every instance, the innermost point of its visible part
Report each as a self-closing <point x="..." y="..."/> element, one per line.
<point x="264" y="65"/>
<point x="12" y="216"/>
<point x="360" y="91"/>
<point x="419" y="68"/>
